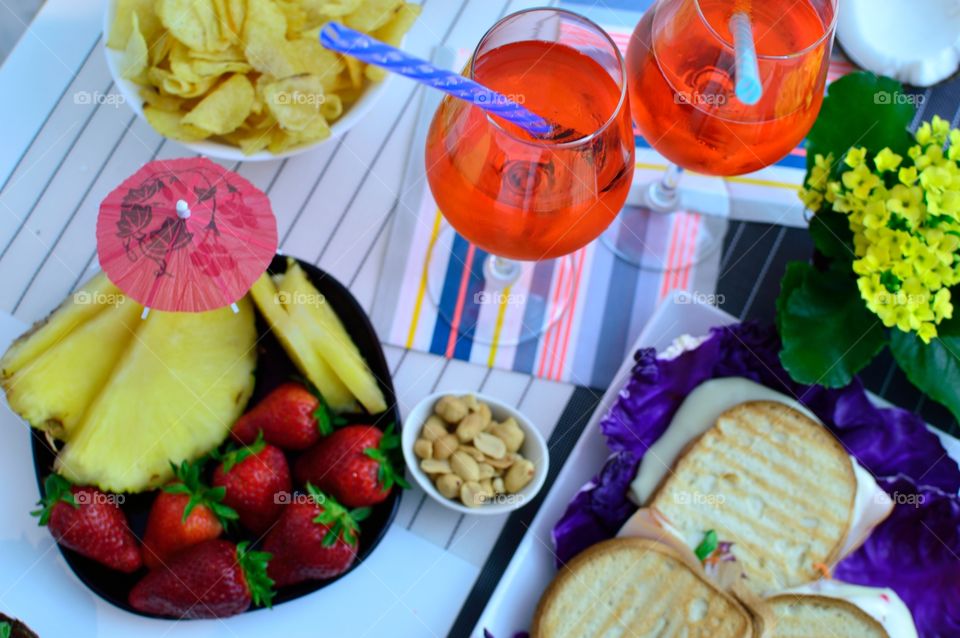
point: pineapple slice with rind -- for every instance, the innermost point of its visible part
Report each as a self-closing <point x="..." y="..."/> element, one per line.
<point x="297" y="346"/>
<point x="53" y="390"/>
<point x="325" y="332"/>
<point x="90" y="299"/>
<point x="174" y="395"/>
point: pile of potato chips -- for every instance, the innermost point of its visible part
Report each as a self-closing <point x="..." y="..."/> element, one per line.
<point x="250" y="73"/>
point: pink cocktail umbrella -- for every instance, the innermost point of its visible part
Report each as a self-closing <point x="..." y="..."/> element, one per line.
<point x="185" y="235"/>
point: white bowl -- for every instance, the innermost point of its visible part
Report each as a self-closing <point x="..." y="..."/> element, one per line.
<point x="534" y="448"/>
<point x="129" y="91"/>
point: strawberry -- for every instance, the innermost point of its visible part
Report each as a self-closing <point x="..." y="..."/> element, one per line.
<point x="353" y="464"/>
<point x="87" y="521"/>
<point x="290" y="417"/>
<point x="213" y="579"/>
<point x="256" y="479"/>
<point x="185" y="512"/>
<point x="314" y="539"/>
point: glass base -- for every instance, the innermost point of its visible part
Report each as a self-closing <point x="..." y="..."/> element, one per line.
<point x="664" y="242"/>
<point x="494" y="301"/>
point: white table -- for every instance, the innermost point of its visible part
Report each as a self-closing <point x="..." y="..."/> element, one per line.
<point x="67" y="141"/>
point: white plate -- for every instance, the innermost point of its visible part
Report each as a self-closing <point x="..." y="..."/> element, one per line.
<point x="129" y="91"/>
<point x="510" y="608"/>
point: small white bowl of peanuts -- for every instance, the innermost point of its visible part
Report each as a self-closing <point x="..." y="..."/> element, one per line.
<point x="474" y="454"/>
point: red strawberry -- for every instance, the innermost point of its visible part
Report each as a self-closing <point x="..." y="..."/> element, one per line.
<point x="214" y="579"/>
<point x="314" y="539"/>
<point x="185" y="513"/>
<point x="291" y="417"/>
<point x="87" y="521"/>
<point x="256" y="478"/>
<point x="353" y="464"/>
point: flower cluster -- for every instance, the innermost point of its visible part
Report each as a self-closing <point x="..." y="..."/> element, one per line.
<point x="905" y="216"/>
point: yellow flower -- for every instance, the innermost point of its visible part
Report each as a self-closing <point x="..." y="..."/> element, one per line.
<point x="907" y="175"/>
<point x="887" y="160"/>
<point x="941" y="129"/>
<point x="927" y="332"/>
<point x="855" y="157"/>
<point x="924" y="134"/>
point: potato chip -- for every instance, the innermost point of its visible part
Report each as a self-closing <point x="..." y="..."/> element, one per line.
<point x="153" y="97"/>
<point x="295" y="101"/>
<point x="195" y="23"/>
<point x="225" y="108"/>
<point x="169" y="125"/>
<point x="264" y="38"/>
<point x="332" y="107"/>
<point x="135" y="56"/>
<point x="173" y="85"/>
<point x="311" y="57"/>
<point x="325" y="9"/>
<point x="392" y="32"/>
<point x="373" y="14"/>
<point x="354" y="71"/>
<point x="120" y="30"/>
<point x="231" y="14"/>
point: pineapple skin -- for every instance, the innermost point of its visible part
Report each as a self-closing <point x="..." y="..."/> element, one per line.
<point x="174" y="395"/>
<point x="53" y="390"/>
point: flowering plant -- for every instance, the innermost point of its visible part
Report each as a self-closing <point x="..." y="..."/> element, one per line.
<point x="886" y="226"/>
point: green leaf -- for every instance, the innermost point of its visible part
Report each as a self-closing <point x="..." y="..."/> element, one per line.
<point x="832" y="235"/>
<point x="5" y="630"/>
<point x="254" y="566"/>
<point x="707" y="546"/>
<point x="861" y="109"/>
<point x="55" y="489"/>
<point x="828" y="333"/>
<point x="934" y="368"/>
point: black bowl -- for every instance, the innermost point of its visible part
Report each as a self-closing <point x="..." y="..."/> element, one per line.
<point x="273" y="368"/>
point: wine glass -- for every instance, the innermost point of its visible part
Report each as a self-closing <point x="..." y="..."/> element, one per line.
<point x="681" y="62"/>
<point x="518" y="198"/>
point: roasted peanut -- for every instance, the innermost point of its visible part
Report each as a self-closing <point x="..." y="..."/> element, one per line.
<point x="486" y="471"/>
<point x="498" y="486"/>
<point x="490" y="445"/>
<point x="449" y="485"/>
<point x="464" y="466"/>
<point x="483" y="411"/>
<point x="433" y="429"/>
<point x="471" y="494"/>
<point x="477" y="455"/>
<point x="518" y="476"/>
<point x="451" y="409"/>
<point x="435" y="466"/>
<point x="423" y="449"/>
<point x="471" y="402"/>
<point x="445" y="446"/>
<point x="511" y="434"/>
<point x="469" y="427"/>
<point x="487" y="486"/>
<point x="501" y="463"/>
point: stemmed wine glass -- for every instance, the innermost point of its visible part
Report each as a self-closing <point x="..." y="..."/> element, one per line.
<point x="520" y="198"/>
<point x="682" y="67"/>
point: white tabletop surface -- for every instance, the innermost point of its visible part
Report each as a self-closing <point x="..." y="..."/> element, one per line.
<point x="67" y="141"/>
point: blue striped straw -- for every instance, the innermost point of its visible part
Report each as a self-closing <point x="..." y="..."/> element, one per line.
<point x="372" y="51"/>
<point x="749" y="89"/>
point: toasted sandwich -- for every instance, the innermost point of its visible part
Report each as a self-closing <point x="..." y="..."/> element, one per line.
<point x="838" y="610"/>
<point x="637" y="588"/>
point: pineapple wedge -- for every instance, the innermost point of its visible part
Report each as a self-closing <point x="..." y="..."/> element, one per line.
<point x="84" y="303"/>
<point x="329" y="338"/>
<point x="174" y="395"/>
<point x="52" y="391"/>
<point x="297" y="347"/>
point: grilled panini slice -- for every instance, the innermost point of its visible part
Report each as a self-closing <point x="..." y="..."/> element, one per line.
<point x="636" y="588"/>
<point x="794" y="616"/>
<point x="773" y="482"/>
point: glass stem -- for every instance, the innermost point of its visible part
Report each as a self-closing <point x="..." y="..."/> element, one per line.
<point x="662" y="196"/>
<point x="500" y="272"/>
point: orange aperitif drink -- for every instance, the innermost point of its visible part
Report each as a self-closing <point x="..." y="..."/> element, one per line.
<point x="681" y="66"/>
<point x="531" y="198"/>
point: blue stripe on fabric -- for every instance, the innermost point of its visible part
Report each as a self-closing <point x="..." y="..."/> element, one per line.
<point x="533" y="316"/>
<point x="448" y="297"/>
<point x="471" y="307"/>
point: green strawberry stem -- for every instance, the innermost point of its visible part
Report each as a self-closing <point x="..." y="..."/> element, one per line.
<point x="56" y="489"/>
<point x="5" y="629"/>
<point x="237" y="453"/>
<point x="341" y="522"/>
<point x="254" y="566"/>
<point x="387" y="475"/>
<point x="188" y="475"/>
<point x="327" y="419"/>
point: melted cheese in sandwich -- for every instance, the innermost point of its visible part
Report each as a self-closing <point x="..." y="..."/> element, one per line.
<point x="700" y="411"/>
<point x="883" y="605"/>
